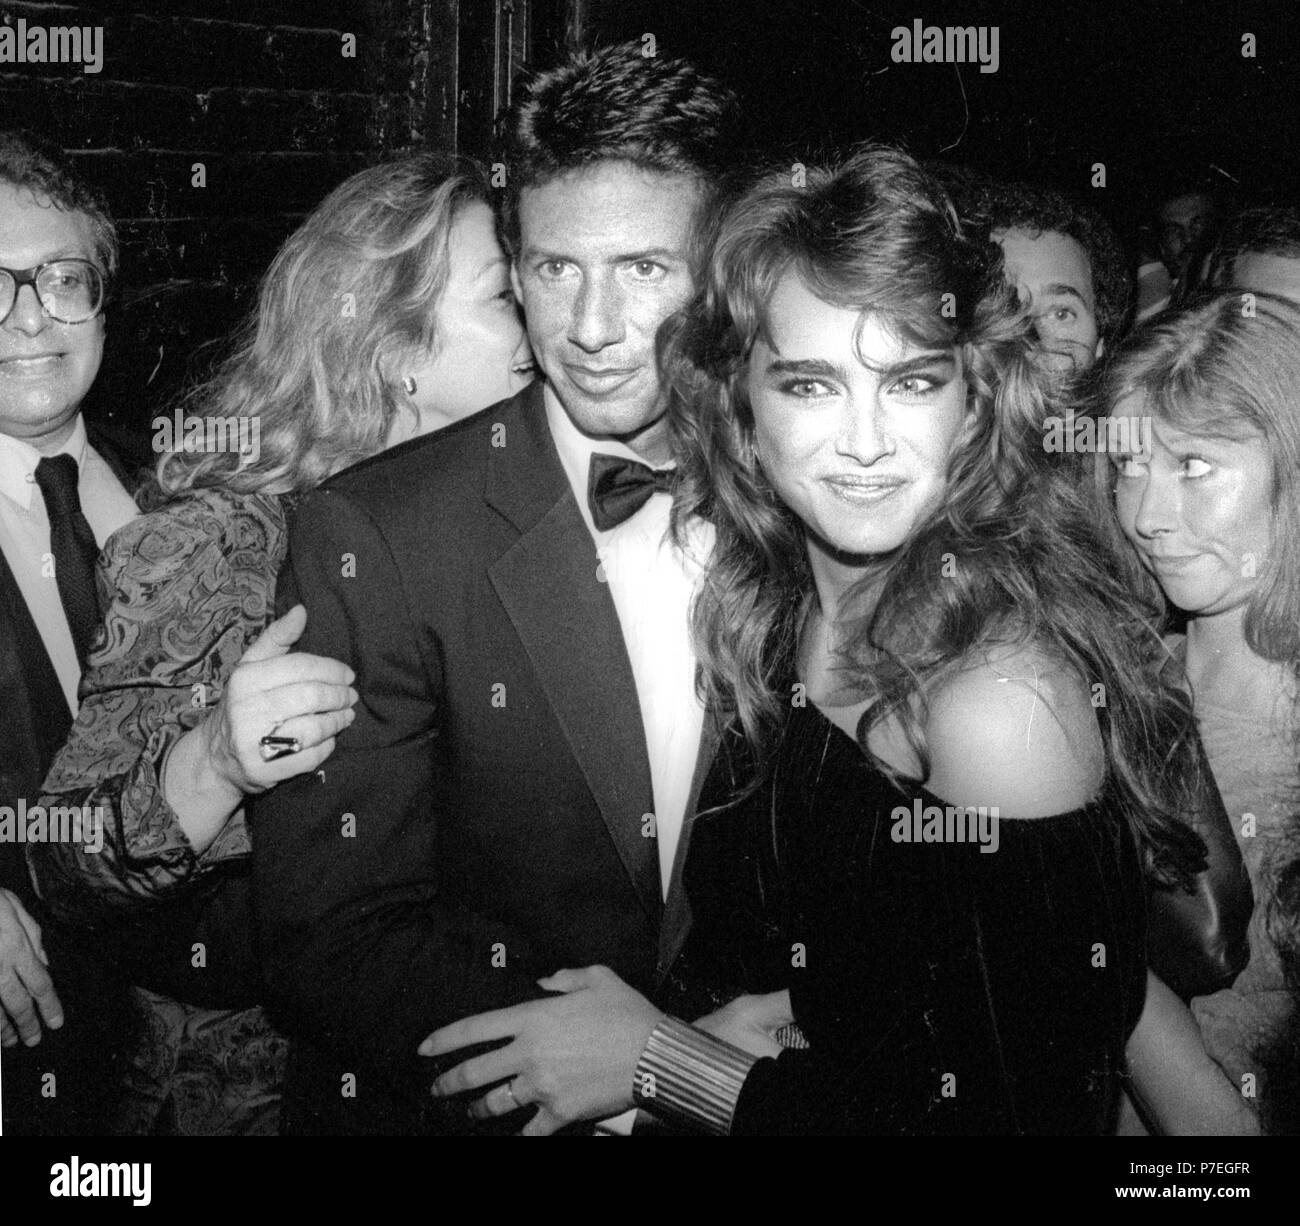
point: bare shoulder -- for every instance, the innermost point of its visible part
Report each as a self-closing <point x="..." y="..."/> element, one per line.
<point x="1015" y="729"/>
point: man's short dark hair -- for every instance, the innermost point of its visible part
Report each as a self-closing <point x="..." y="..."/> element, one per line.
<point x="1025" y="206"/>
<point x="30" y="161"/>
<point x="616" y="104"/>
<point x="1261" y="231"/>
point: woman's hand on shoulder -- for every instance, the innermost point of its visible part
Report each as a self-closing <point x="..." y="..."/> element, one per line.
<point x="1015" y="730"/>
<point x="273" y="690"/>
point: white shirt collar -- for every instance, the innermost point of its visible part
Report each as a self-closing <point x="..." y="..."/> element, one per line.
<point x="18" y="461"/>
<point x="576" y="450"/>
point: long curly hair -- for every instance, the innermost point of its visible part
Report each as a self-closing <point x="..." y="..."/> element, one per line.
<point x="350" y="296"/>
<point x="1014" y="555"/>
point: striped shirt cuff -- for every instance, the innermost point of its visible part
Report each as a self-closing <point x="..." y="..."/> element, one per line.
<point x="689" y="1077"/>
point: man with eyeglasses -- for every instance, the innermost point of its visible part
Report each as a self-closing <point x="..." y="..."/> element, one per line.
<point x="59" y="503"/>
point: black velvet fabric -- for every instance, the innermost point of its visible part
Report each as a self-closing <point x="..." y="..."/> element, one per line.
<point x="943" y="989"/>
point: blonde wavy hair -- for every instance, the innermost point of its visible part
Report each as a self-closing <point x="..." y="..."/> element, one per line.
<point x="350" y="296"/>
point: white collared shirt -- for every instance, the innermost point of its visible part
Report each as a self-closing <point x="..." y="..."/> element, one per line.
<point x="25" y="536"/>
<point x="651" y="582"/>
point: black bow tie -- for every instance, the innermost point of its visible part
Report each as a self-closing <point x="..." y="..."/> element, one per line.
<point x="617" y="488"/>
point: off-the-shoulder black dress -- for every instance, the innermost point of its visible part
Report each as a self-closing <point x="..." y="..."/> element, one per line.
<point x="943" y="989"/>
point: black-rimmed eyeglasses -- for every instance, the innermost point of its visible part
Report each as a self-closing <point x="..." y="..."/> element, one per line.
<point x="69" y="291"/>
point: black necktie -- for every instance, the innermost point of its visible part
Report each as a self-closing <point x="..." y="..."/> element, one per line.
<point x="73" y="545"/>
<point x="618" y="488"/>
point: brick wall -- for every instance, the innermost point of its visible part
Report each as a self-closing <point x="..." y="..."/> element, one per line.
<point x="260" y="93"/>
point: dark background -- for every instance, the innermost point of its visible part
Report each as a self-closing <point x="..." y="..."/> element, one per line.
<point x="259" y="91"/>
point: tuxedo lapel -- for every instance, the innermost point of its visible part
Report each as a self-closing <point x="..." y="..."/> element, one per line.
<point x="677" y="910"/>
<point x="34" y="715"/>
<point x="565" y="618"/>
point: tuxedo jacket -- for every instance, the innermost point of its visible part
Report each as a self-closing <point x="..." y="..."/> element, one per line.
<point x="34" y="722"/>
<point x="483" y="822"/>
<point x="34" y="717"/>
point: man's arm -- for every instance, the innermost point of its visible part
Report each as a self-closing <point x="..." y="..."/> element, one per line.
<point x="361" y="953"/>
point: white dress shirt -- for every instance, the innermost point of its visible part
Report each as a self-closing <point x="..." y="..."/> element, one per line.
<point x="651" y="582"/>
<point x="25" y="535"/>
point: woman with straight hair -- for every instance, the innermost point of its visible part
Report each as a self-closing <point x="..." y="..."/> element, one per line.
<point x="386" y="315"/>
<point x="1208" y="499"/>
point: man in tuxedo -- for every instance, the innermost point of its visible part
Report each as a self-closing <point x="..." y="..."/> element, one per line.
<point x="59" y="502"/>
<point x="511" y="797"/>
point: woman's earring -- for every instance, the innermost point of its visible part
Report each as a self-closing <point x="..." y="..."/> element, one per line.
<point x="409" y="384"/>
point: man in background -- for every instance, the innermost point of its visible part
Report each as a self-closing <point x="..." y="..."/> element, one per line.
<point x="1259" y="249"/>
<point x="1067" y="266"/>
<point x="60" y="500"/>
<point x="1183" y="220"/>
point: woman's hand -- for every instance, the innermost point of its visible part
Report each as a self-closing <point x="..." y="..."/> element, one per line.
<point x="214" y="765"/>
<point x="750" y="1022"/>
<point x="294" y="694"/>
<point x="573" y="1056"/>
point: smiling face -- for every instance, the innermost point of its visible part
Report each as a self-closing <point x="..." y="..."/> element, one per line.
<point x="1198" y="511"/>
<point x="46" y="368"/>
<point x="854" y="428"/>
<point x="1053" y="278"/>
<point x="481" y="353"/>
<point x="603" y="261"/>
